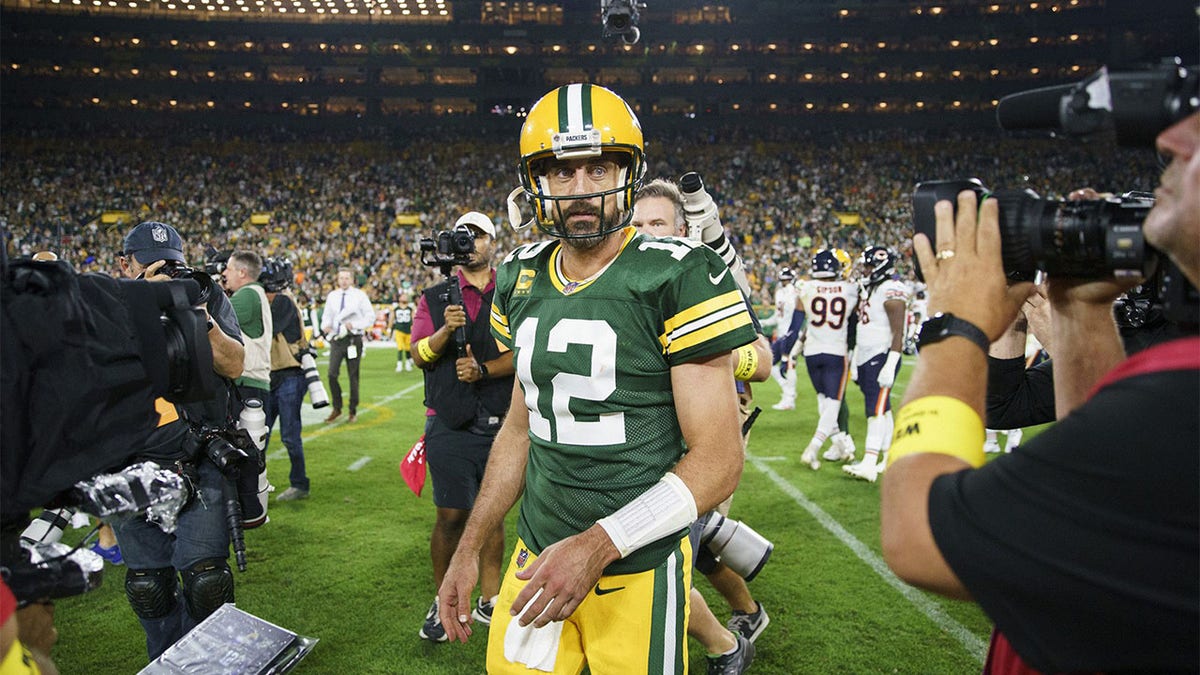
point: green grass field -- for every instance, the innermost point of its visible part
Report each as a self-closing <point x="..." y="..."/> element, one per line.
<point x="350" y="565"/>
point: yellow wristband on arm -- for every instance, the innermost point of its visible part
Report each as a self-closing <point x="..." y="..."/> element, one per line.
<point x="939" y="424"/>
<point x="747" y="362"/>
<point x="426" y="352"/>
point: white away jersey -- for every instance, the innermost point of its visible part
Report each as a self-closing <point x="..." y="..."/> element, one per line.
<point x="874" y="330"/>
<point x="785" y="306"/>
<point x="827" y="304"/>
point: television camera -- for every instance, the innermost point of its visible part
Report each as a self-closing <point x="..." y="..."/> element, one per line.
<point x="1087" y="239"/>
<point x="84" y="358"/>
<point x="620" y="18"/>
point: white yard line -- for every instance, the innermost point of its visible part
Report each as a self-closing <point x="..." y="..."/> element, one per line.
<point x="358" y="464"/>
<point x="974" y="645"/>
<point x="316" y="415"/>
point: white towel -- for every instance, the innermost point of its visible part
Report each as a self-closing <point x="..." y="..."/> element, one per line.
<point x="536" y="648"/>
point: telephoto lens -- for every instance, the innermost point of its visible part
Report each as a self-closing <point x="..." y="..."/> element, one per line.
<point x="316" y="389"/>
<point x="736" y="544"/>
<point x="254" y="490"/>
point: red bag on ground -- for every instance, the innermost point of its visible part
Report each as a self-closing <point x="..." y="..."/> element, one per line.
<point x="412" y="467"/>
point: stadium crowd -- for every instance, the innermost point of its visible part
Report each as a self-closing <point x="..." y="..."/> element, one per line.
<point x="332" y="199"/>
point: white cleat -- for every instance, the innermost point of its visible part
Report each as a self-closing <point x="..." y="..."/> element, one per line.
<point x="810" y="458"/>
<point x="784" y="405"/>
<point x="991" y="447"/>
<point x="841" y="448"/>
<point x="866" y="470"/>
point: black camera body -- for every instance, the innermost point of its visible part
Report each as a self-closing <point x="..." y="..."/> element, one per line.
<point x="1134" y="104"/>
<point x="1086" y="239"/>
<point x="620" y="18"/>
<point x="448" y="247"/>
<point x="179" y="270"/>
<point x="276" y="274"/>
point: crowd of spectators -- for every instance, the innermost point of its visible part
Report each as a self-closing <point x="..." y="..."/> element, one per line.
<point x="333" y="199"/>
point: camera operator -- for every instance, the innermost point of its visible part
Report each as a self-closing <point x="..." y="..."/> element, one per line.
<point x="467" y="397"/>
<point x="348" y="312"/>
<point x="1091" y="564"/>
<point x="253" y="309"/>
<point x="197" y="551"/>
<point x="288" y="382"/>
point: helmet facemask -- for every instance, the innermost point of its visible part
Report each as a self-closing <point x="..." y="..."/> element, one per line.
<point x="574" y="122"/>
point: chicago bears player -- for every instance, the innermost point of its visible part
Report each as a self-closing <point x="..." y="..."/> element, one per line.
<point x="787" y="330"/>
<point x="882" y="304"/>
<point x="828" y="303"/>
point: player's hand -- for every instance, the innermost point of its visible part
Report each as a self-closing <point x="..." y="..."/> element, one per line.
<point x="886" y="378"/>
<point x="565" y="573"/>
<point x="454" y="596"/>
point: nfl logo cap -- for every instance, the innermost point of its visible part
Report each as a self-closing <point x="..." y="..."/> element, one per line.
<point x="152" y="241"/>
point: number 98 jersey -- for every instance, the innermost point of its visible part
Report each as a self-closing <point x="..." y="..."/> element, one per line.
<point x="594" y="361"/>
<point x="828" y="304"/>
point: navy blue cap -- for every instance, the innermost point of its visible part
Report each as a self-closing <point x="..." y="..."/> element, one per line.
<point x="152" y="241"/>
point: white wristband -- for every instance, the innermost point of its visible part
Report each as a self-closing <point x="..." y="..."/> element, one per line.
<point x="668" y="506"/>
<point x="892" y="359"/>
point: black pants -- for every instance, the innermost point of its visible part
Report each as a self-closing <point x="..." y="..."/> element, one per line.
<point x="337" y="352"/>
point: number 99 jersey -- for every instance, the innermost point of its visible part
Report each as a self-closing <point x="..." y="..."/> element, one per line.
<point x="594" y="362"/>
<point x="828" y="305"/>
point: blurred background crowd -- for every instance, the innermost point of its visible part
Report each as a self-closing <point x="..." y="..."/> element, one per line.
<point x="363" y="199"/>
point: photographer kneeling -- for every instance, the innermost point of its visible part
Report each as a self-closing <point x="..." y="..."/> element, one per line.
<point x="1082" y="544"/>
<point x="191" y="562"/>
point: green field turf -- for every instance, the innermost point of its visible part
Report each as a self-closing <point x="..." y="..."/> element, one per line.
<point x="350" y="565"/>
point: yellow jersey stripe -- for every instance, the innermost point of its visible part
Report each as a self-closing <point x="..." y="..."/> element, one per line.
<point x="500" y="328"/>
<point x="704" y="308"/>
<point x="711" y="331"/>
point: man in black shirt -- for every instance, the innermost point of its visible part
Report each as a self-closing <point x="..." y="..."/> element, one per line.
<point x="1084" y="544"/>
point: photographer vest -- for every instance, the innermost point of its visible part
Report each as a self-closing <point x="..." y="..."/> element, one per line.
<point x="462" y="405"/>
<point x="256" y="370"/>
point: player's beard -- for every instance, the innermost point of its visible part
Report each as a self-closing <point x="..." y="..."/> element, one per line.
<point x="581" y="239"/>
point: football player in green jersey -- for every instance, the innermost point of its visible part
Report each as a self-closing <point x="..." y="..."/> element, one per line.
<point x="622" y="348"/>
<point x="402" y="321"/>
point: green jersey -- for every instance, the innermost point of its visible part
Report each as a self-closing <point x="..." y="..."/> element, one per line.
<point x="594" y="362"/>
<point x="402" y="317"/>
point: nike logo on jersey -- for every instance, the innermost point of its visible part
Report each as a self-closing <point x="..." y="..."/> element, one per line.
<point x="606" y="591"/>
<point x="717" y="279"/>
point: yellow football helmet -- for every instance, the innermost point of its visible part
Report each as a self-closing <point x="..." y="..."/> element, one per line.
<point x="847" y="262"/>
<point x="574" y="121"/>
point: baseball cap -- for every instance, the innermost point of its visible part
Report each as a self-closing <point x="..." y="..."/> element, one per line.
<point x="152" y="241"/>
<point x="478" y="221"/>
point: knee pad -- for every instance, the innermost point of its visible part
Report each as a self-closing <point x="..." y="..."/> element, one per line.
<point x="206" y="586"/>
<point x="151" y="592"/>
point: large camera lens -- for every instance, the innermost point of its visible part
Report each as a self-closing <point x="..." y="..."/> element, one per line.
<point x="1080" y="239"/>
